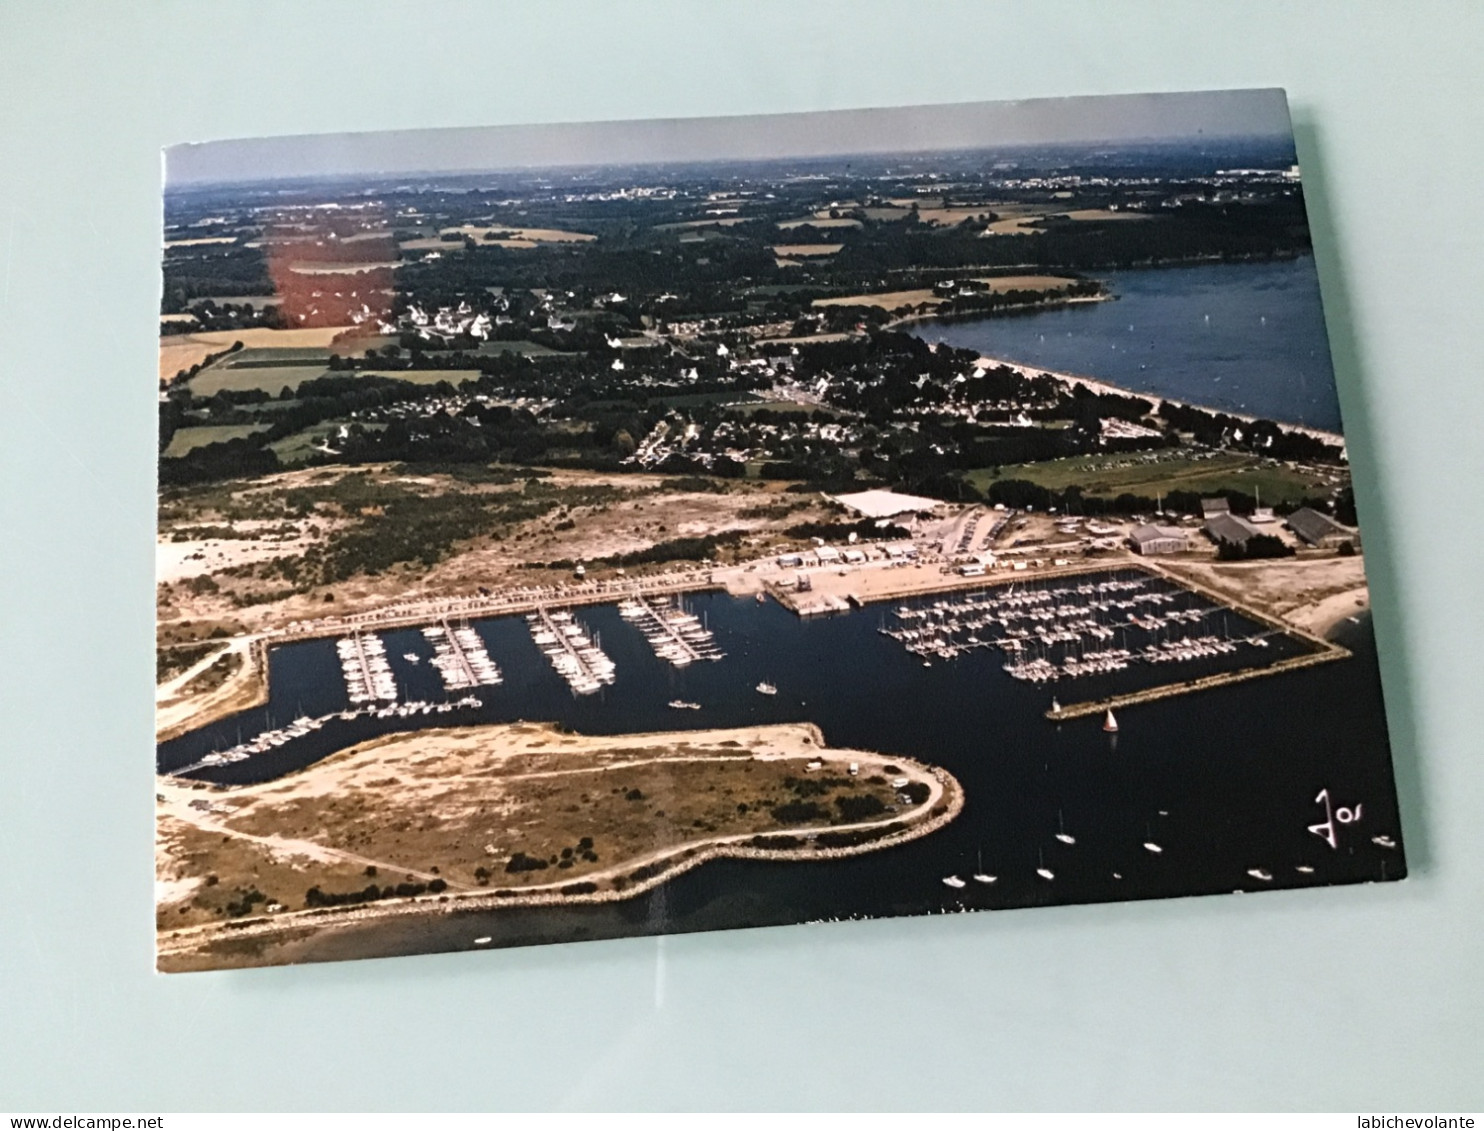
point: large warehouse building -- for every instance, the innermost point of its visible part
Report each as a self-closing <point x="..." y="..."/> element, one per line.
<point x="885" y="504"/>
<point x="1151" y="538"/>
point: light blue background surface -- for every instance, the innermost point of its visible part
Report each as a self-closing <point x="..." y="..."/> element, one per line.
<point x="1352" y="999"/>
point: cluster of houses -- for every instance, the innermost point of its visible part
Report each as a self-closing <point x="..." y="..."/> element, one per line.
<point x="1221" y="526"/>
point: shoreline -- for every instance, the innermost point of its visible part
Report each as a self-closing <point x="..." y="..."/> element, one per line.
<point x="943" y="804"/>
<point x="1095" y="385"/>
<point x="1003" y="312"/>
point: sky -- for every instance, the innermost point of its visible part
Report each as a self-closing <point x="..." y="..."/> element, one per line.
<point x="968" y="125"/>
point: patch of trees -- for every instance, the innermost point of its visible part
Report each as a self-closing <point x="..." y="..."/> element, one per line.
<point x="220" y="269"/>
<point x="917" y="792"/>
<point x="859" y="807"/>
<point x="993" y="302"/>
<point x="852" y="837"/>
<point x="411" y="529"/>
<point x="228" y="316"/>
<point x="799" y="812"/>
<point x="865" y="529"/>
<point x="676" y="549"/>
<point x="1021" y="494"/>
<point x="814" y="786"/>
<point x="243" y="904"/>
<point x="520" y="862"/>
<point x="315" y="897"/>
<point x="229" y="459"/>
<point x="1256" y="547"/>
<point x="1218" y="429"/>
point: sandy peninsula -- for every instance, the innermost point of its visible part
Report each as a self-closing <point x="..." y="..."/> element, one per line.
<point x="524" y="814"/>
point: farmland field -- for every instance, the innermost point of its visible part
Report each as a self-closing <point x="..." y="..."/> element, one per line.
<point x="187" y="439"/>
<point x="806" y="248"/>
<point x="1159" y="474"/>
<point x="424" y="376"/>
<point x="271" y="379"/>
<point x="891" y="300"/>
<point x="529" y="349"/>
<point x="181" y="351"/>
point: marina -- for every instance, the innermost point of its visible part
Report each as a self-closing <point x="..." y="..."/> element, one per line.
<point x="363" y="662"/>
<point x="1145" y="819"/>
<point x="270" y="739"/>
<point x="1074" y="628"/>
<point x="677" y="637"/>
<point x="577" y="657"/>
<point x="460" y="657"/>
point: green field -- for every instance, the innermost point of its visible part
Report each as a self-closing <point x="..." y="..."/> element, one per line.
<point x="731" y="400"/>
<point x="271" y="379"/>
<point x="529" y="349"/>
<point x="454" y="377"/>
<point x="792" y="408"/>
<point x="271" y="370"/>
<point x="1109" y="475"/>
<point x="188" y="439"/>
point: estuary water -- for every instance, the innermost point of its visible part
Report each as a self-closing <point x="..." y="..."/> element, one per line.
<point x="1245" y="337"/>
<point x="1222" y="782"/>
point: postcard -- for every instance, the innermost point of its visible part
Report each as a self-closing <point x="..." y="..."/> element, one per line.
<point x="584" y="531"/>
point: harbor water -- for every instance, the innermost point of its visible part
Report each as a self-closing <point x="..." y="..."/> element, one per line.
<point x="1223" y="783"/>
<point x="1244" y="337"/>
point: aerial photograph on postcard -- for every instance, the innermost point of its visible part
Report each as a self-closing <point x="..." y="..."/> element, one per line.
<point x="585" y="531"/>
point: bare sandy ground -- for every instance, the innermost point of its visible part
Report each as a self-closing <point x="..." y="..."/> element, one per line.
<point x="633" y="520"/>
<point x="179" y="709"/>
<point x="176" y="561"/>
<point x="1312" y="593"/>
<point x="391" y="806"/>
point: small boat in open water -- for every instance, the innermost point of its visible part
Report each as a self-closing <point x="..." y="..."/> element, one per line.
<point x="766" y="688"/>
<point x="682" y="705"/>
<point x="953" y="881"/>
<point x="1110" y="724"/>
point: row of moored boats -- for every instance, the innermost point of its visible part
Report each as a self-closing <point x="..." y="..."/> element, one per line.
<point x="1064" y="631"/>
<point x="577" y="657"/>
<point x="460" y="656"/>
<point x="677" y="636"/>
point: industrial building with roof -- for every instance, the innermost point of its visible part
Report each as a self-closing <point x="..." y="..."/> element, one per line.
<point x="1232" y="529"/>
<point x="1151" y="538"/>
<point x="1318" y="529"/>
<point x="885" y="504"/>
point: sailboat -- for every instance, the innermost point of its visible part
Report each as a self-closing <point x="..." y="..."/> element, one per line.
<point x="1110" y="724"/>
<point x="1062" y="834"/>
<point x="982" y="876"/>
<point x="1044" y="872"/>
<point x="766" y="688"/>
<point x="953" y="881"/>
<point x="1055" y="706"/>
<point x="1149" y="843"/>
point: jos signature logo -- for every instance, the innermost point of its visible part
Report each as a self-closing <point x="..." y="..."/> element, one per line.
<point x="1343" y="815"/>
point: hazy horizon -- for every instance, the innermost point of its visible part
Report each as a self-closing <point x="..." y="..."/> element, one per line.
<point x="471" y="151"/>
